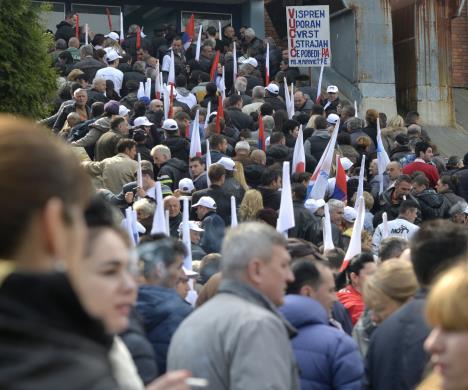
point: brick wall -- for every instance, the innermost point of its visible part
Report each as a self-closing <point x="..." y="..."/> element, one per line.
<point x="460" y="50"/>
<point x="270" y="30"/>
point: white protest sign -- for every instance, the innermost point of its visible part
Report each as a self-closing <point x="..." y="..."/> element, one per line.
<point x="308" y="33"/>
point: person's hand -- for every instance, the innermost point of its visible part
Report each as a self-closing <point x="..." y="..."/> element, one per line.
<point x="140" y="192"/>
<point x="129" y="197"/>
<point x="175" y="380"/>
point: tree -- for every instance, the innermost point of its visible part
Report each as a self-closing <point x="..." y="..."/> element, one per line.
<point x="27" y="78"/>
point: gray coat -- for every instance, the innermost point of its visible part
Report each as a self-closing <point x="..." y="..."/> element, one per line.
<point x="236" y="341"/>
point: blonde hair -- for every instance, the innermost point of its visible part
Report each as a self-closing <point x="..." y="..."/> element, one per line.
<point x="368" y="199"/>
<point x="239" y="175"/>
<point x="144" y="206"/>
<point x="394" y="279"/>
<point x="446" y="304"/>
<point x="396" y="122"/>
<point x="251" y="204"/>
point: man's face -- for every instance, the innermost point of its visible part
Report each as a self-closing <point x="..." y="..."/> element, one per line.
<point x="202" y="211"/>
<point x="275" y="274"/>
<point x="177" y="46"/>
<point x="123" y="128"/>
<point x="403" y="189"/>
<point x="207" y="52"/>
<point x="172" y="204"/>
<point x="100" y="86"/>
<point x="195" y="236"/>
<point x="411" y="214"/>
<point x="427" y="156"/>
<point x="276" y="185"/>
<point x="156" y="105"/>
<point x="132" y="152"/>
<point x="224" y="146"/>
<point x="418" y="188"/>
<point x="152" y="62"/>
<point x="81" y="98"/>
<point x="159" y="159"/>
<point x="332" y="96"/>
<point x="337" y="215"/>
<point x="172" y="273"/>
<point x="299" y="99"/>
<point x="325" y="294"/>
<point x="285" y="55"/>
<point x="373" y="168"/>
<point x="393" y="171"/>
<point x="229" y="32"/>
<point x="196" y="169"/>
<point x="182" y="286"/>
<point x="72" y="20"/>
<point x="359" y="280"/>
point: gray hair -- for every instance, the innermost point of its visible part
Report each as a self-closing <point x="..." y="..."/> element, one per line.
<point x="334" y="204"/>
<point x="244" y="243"/>
<point x="162" y="149"/>
<point x="458" y="208"/>
<point x="60" y="44"/>
<point x="139" y="66"/>
<point x="258" y="92"/>
<point x="97" y="80"/>
<point x="241" y="84"/>
<point x="133" y="28"/>
<point x="145" y="206"/>
<point x="86" y="50"/>
<point x="74" y="42"/>
<point x="355" y="124"/>
<point x="249" y="32"/>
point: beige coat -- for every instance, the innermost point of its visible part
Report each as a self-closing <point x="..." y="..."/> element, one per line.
<point x="113" y="172"/>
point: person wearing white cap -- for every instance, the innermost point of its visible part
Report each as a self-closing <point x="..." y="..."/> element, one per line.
<point x="231" y="185"/>
<point x="315" y="206"/>
<point x="142" y="121"/>
<point x="111" y="72"/>
<point x="349" y="217"/>
<point x="272" y="97"/>
<point x="195" y="237"/>
<point x="332" y="101"/>
<point x="182" y="287"/>
<point x="177" y="143"/>
<point x="212" y="224"/>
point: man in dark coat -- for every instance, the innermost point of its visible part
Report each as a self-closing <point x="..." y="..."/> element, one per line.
<point x="171" y="170"/>
<point x="307" y="226"/>
<point x="212" y="224"/>
<point x="88" y="64"/>
<point x="271" y="183"/>
<point x="396" y="359"/>
<point x="66" y="28"/>
<point x="238" y="118"/>
<point x="462" y="173"/>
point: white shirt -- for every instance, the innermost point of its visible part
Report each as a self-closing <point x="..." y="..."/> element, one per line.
<point x="113" y="74"/>
<point x="397" y="228"/>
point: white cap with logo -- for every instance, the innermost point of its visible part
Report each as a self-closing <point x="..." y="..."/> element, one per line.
<point x="206" y="201"/>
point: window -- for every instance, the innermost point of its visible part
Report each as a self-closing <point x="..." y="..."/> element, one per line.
<point x="96" y="17"/>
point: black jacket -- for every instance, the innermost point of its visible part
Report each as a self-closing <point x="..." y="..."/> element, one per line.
<point x="396" y="358"/>
<point x="222" y="199"/>
<point x="271" y="198"/>
<point x="140" y="348"/>
<point x="432" y="205"/>
<point x="240" y="120"/>
<point x="213" y="235"/>
<point x="278" y="154"/>
<point x="306" y="226"/>
<point x="179" y="146"/>
<point x="275" y="102"/>
<point x="462" y="189"/>
<point x="451" y="198"/>
<point x="95" y="96"/>
<point x="129" y="45"/>
<point x="172" y="172"/>
<point x="47" y="339"/>
<point x="253" y="174"/>
<point x="89" y="66"/>
<point x="233" y="187"/>
<point x="64" y="31"/>
<point x="131" y="76"/>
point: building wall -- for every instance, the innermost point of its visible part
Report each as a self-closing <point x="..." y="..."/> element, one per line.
<point x="460" y="50"/>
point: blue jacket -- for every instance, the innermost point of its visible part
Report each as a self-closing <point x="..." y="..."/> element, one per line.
<point x="213" y="235"/>
<point x="161" y="311"/>
<point x="327" y="357"/>
<point x="396" y="359"/>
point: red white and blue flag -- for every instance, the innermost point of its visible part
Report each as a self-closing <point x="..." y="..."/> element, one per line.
<point x="340" y="192"/>
<point x="189" y="33"/>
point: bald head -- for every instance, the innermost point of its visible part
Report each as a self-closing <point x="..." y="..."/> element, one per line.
<point x="172" y="204"/>
<point x="155" y="105"/>
<point x="258" y="156"/>
<point x="394" y="170"/>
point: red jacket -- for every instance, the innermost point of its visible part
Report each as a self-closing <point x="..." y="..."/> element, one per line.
<point x="429" y="170"/>
<point x="352" y="301"/>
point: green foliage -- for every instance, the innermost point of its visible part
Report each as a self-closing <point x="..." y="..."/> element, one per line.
<point x="27" y="79"/>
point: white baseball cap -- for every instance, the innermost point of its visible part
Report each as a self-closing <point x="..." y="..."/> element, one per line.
<point x="227" y="163"/>
<point x="170" y="125"/>
<point x="206" y="201"/>
<point x="193" y="225"/>
<point x="272" y="88"/>
<point x="142" y="121"/>
<point x="113" y="35"/>
<point x="332" y="118"/>
<point x="313" y="205"/>
<point x="251" y="61"/>
<point x="332" y="89"/>
<point x="112" y="55"/>
<point x="350" y="214"/>
<point x="186" y="185"/>
<point x="123" y="110"/>
<point x="346" y="163"/>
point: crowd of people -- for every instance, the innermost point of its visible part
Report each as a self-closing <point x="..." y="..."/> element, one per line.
<point x="201" y="288"/>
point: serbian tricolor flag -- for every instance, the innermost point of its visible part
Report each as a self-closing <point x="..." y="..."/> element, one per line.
<point x="219" y="115"/>
<point x="188" y="34"/>
<point x="354" y="247"/>
<point x="267" y="65"/>
<point x="214" y="66"/>
<point x="298" y="161"/>
<point x="340" y="192"/>
<point x="261" y="134"/>
<point x="319" y="181"/>
<point x="195" y="143"/>
<point x="319" y="85"/>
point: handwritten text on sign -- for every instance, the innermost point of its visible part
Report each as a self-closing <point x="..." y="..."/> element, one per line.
<point x="308" y="35"/>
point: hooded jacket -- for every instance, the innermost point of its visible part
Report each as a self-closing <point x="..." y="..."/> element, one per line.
<point x="162" y="311"/>
<point x="432" y="205"/>
<point x="64" y="31"/>
<point x="327" y="357"/>
<point x="96" y="130"/>
<point x="172" y="172"/>
<point x="317" y="143"/>
<point x="179" y="146"/>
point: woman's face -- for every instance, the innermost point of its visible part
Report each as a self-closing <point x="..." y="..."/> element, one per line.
<point x="295" y="132"/>
<point x="448" y="351"/>
<point x="105" y="284"/>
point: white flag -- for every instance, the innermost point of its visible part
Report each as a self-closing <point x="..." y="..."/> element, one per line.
<point x="385" y="230"/>
<point x="186" y="233"/>
<point x="233" y="211"/>
<point x="355" y="110"/>
<point x="208" y="113"/>
<point x="299" y="161"/>
<point x="355" y="242"/>
<point x="159" y="220"/>
<point x="382" y="156"/>
<point x="319" y="85"/>
<point x="148" y="88"/>
<point x="197" y="50"/>
<point x="286" y="211"/>
<point x="327" y="232"/>
<point x="234" y="64"/>
<point x="122" y="35"/>
<point x="195" y="143"/>
<point x="291" y="102"/>
<point x="267" y="63"/>
<point x="139" y="173"/>
<point x="141" y="90"/>
<point x="360" y="189"/>
<point x="171" y="76"/>
<point x="167" y="102"/>
<point x="287" y="98"/>
<point x="86" y="34"/>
